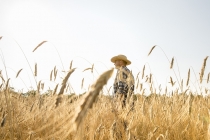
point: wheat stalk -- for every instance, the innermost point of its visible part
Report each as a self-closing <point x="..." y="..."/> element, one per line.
<point x="172" y="62"/>
<point x="203" y="69"/>
<point x="90" y="97"/>
<point x="151" y="50"/>
<point x="2" y="78"/>
<point x="137" y="76"/>
<point x="3" y="119"/>
<point x="18" y="72"/>
<point x="137" y="84"/>
<point x="55" y="90"/>
<point x="42" y="86"/>
<point x="39" y="45"/>
<point x="7" y="84"/>
<point x="92" y="68"/>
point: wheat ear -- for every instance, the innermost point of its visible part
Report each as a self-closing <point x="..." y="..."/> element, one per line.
<point x="35" y="71"/>
<point x="208" y="78"/>
<point x="71" y="64"/>
<point x="188" y="77"/>
<point x="39" y="45"/>
<point x="172" y="63"/>
<point x="18" y="72"/>
<point x="151" y="50"/>
<point x="82" y="83"/>
<point x="143" y="72"/>
<point x="65" y="81"/>
<point x="90" y="97"/>
<point x="58" y="100"/>
<point x="87" y="69"/>
<point x="203" y="69"/>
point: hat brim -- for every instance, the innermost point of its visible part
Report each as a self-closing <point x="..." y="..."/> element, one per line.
<point x="113" y="59"/>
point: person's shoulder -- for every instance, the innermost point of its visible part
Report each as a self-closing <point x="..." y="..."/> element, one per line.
<point x="125" y="69"/>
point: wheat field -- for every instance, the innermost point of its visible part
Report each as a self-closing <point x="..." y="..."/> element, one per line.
<point x="184" y="115"/>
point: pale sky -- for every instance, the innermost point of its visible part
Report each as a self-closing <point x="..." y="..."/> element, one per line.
<point x="98" y="30"/>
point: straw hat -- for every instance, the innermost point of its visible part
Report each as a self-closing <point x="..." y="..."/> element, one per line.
<point x="120" y="57"/>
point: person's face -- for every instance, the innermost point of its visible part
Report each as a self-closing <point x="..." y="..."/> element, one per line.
<point x="118" y="63"/>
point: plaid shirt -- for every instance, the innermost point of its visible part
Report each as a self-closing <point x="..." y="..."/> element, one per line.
<point x="124" y="81"/>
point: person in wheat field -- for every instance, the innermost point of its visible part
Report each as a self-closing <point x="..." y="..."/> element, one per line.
<point x="124" y="81"/>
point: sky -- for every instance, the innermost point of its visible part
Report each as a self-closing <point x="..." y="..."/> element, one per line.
<point x="93" y="31"/>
